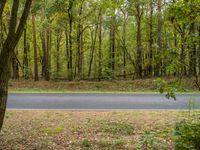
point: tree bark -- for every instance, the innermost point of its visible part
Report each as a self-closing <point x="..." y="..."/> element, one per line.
<point x="79" y="43"/>
<point x="159" y="41"/>
<point x="139" y="60"/>
<point x="93" y="37"/>
<point x="192" y="53"/>
<point x="35" y="50"/>
<point x="112" y="47"/>
<point x="151" y="40"/>
<point x="25" y="59"/>
<point x="15" y="65"/>
<point x="58" y="40"/>
<point x="70" y="14"/>
<point x="124" y="44"/>
<point x="100" y="45"/>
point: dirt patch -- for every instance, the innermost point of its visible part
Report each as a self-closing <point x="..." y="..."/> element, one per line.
<point x="87" y="130"/>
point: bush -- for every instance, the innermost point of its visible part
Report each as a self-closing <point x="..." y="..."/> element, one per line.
<point x="187" y="134"/>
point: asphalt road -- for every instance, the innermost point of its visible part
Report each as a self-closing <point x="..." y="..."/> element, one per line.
<point x="98" y="101"/>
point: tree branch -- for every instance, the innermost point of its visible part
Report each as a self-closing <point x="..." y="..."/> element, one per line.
<point x="22" y="22"/>
<point x="2" y="5"/>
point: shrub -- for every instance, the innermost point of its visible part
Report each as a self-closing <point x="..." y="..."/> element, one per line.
<point x="151" y="141"/>
<point x="187" y="134"/>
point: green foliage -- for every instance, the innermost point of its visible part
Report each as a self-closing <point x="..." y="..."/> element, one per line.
<point x="86" y="143"/>
<point x="117" y="128"/>
<point x="187" y="134"/>
<point x="169" y="88"/>
<point x="53" y="131"/>
<point x="111" y="144"/>
<point x="150" y="141"/>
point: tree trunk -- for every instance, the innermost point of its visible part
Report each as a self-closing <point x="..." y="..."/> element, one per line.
<point x="100" y="45"/>
<point x="70" y="14"/>
<point x="139" y="44"/>
<point x="4" y="77"/>
<point x="159" y="40"/>
<point x="93" y="37"/>
<point x="58" y="40"/>
<point x="112" y="48"/>
<point x="151" y="40"/>
<point x="67" y="51"/>
<point x="35" y="50"/>
<point x="124" y="44"/>
<point x="25" y="59"/>
<point x="192" y="52"/>
<point x="79" y="44"/>
<point x="8" y="51"/>
<point x="15" y="65"/>
<point x="183" y="53"/>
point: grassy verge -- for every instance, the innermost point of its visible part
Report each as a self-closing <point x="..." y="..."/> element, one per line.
<point x="89" y="130"/>
<point x="133" y="86"/>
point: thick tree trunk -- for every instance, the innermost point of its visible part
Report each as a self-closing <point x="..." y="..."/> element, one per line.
<point x="8" y="51"/>
<point x="5" y="58"/>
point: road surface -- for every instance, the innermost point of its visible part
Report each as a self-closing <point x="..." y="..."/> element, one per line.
<point x="98" y="101"/>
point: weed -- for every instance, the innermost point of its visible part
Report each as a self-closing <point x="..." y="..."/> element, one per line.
<point x="117" y="128"/>
<point x="150" y="141"/>
<point x="52" y="131"/>
<point x="111" y="144"/>
<point x="86" y="143"/>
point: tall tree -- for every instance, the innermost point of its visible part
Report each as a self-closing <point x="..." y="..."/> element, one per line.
<point x="139" y="60"/>
<point x="71" y="17"/>
<point x="7" y="51"/>
<point x="158" y="69"/>
<point x="36" y="77"/>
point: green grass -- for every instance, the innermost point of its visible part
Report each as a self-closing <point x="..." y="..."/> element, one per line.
<point x="37" y="90"/>
<point x="34" y="129"/>
<point x="117" y="128"/>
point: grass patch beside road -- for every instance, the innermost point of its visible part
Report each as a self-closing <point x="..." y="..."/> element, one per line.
<point x="88" y="130"/>
<point x="129" y="86"/>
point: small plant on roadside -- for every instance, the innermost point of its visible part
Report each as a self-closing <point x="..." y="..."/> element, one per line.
<point x="187" y="134"/>
<point x="122" y="128"/>
<point x="150" y="141"/>
<point x="111" y="144"/>
<point x="86" y="143"/>
<point x="52" y="131"/>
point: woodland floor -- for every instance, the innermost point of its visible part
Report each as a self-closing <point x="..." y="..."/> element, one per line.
<point x="139" y="85"/>
<point x="59" y="130"/>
